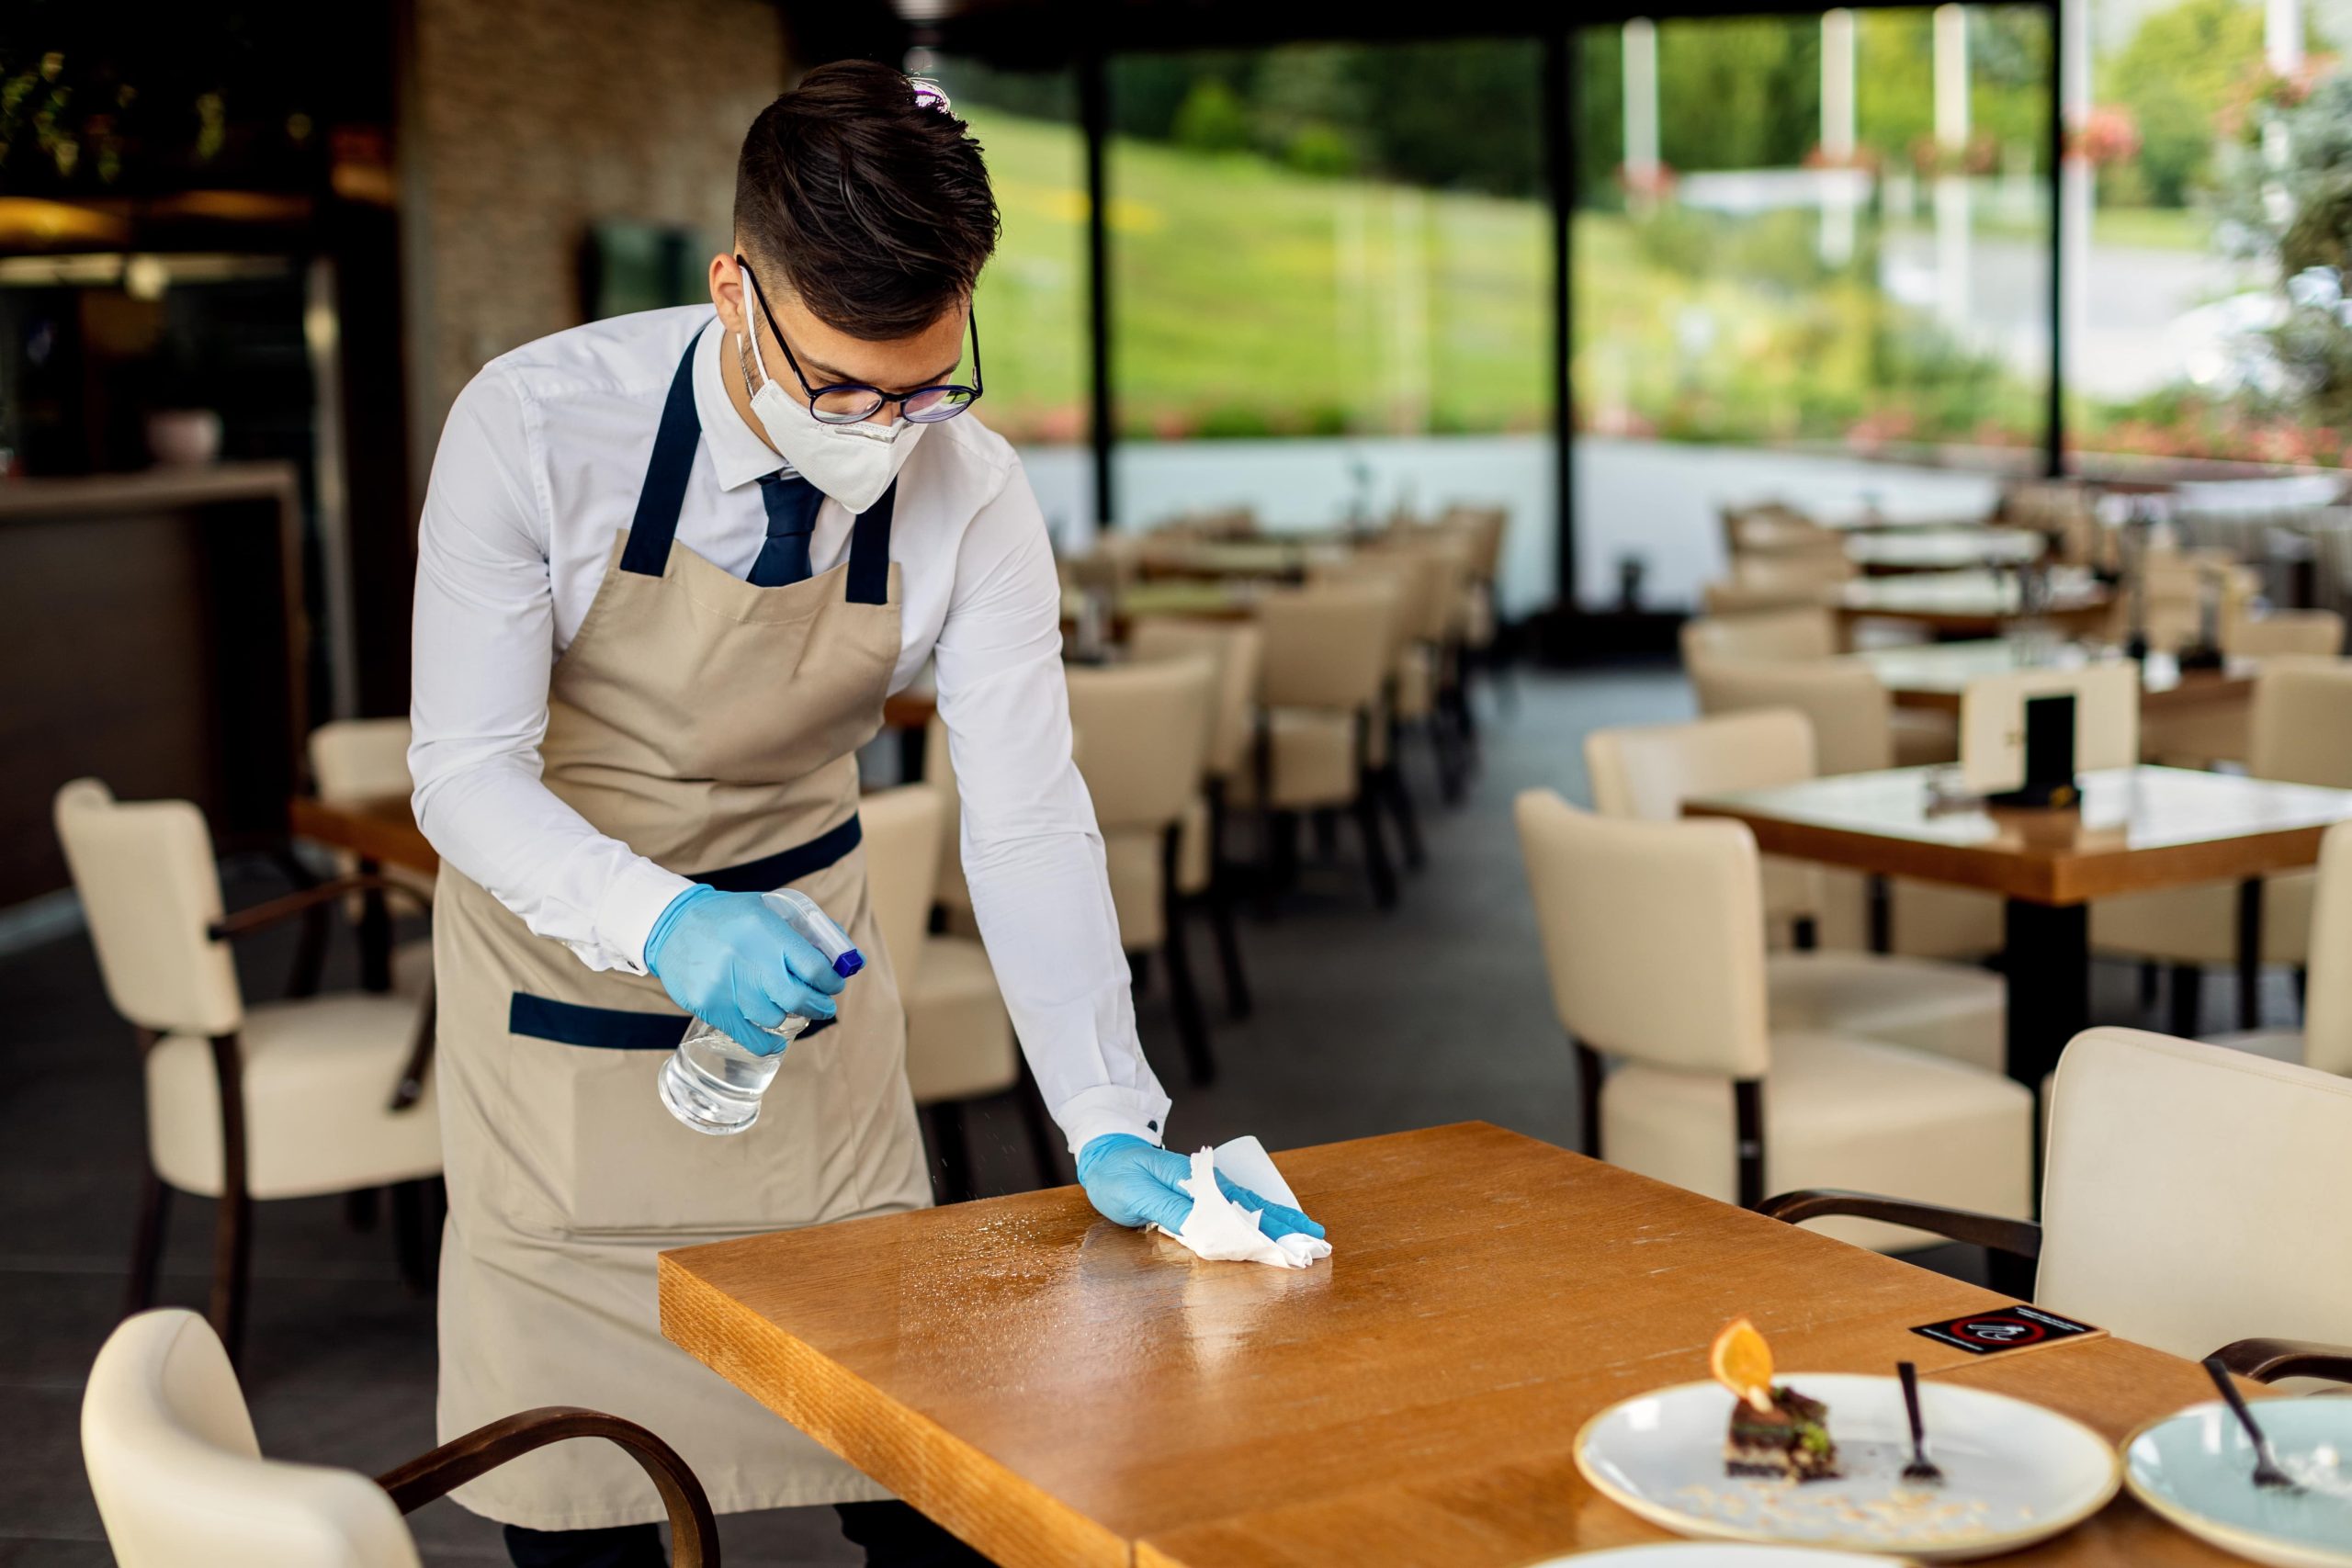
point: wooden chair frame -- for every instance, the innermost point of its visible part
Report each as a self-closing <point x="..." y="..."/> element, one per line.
<point x="1748" y="1120"/>
<point x="232" y="1227"/>
<point x="2260" y="1361"/>
<point x="694" y="1531"/>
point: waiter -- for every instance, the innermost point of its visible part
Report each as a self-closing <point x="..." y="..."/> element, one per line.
<point x="670" y="565"/>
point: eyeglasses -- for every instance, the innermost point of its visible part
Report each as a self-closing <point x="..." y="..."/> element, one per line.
<point x="853" y="403"/>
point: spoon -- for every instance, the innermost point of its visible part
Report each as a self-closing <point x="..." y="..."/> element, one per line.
<point x="1921" y="1470"/>
<point x="2267" y="1473"/>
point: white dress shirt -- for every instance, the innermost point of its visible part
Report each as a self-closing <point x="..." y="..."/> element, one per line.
<point x="539" y="470"/>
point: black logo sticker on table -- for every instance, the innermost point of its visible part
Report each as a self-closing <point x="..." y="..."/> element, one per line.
<point x="2005" y="1328"/>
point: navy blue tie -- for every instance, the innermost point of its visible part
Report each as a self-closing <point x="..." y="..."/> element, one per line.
<point x="792" y="503"/>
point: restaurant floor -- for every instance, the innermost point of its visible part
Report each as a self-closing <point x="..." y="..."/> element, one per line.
<point x="1365" y="1023"/>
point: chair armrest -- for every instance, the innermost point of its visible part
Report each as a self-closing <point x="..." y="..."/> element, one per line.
<point x="2268" y="1360"/>
<point x="244" y="922"/>
<point x="694" y="1532"/>
<point x="2021" y="1238"/>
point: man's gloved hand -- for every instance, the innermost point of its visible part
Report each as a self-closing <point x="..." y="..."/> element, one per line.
<point x="737" y="964"/>
<point x="1133" y="1183"/>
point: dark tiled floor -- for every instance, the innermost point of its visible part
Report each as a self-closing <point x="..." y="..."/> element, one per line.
<point x="1365" y="1023"/>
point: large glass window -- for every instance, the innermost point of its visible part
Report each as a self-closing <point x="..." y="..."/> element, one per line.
<point x="1330" y="284"/>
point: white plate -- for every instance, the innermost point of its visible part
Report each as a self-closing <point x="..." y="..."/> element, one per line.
<point x="2196" y="1470"/>
<point x="2015" y="1473"/>
<point x="1707" y="1554"/>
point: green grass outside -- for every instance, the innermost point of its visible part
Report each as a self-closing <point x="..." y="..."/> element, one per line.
<point x="1250" y="299"/>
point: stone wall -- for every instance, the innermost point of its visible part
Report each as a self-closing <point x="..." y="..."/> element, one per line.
<point x="527" y="122"/>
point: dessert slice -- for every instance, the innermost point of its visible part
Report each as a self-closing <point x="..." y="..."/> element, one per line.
<point x="1776" y="1432"/>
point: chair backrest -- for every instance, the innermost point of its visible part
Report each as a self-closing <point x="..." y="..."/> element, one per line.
<point x="1648" y="771"/>
<point x="1853" y="720"/>
<point x="1652" y="934"/>
<point x="902" y="836"/>
<point x="1238" y="649"/>
<point x="2191" y="1194"/>
<point x="1439" y="565"/>
<point x="1814" y="570"/>
<point x="1993" y="719"/>
<point x="179" y="1478"/>
<point x="2315" y="634"/>
<point x="2327" y="1000"/>
<point x="1143" y="738"/>
<point x="1781" y="636"/>
<point x="1737" y="596"/>
<point x="2302" y="730"/>
<point x="1397" y="570"/>
<point x="149" y="891"/>
<point x="356" y="759"/>
<point x="1326" y="647"/>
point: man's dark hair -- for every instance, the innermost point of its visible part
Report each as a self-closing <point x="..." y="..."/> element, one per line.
<point x="875" y="203"/>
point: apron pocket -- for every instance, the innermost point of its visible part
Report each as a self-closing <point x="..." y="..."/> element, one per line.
<point x="628" y="1167"/>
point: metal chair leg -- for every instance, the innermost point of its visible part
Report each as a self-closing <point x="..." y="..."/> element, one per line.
<point x="2187" y="1000"/>
<point x="411" y="1234"/>
<point x="147" y="1243"/>
<point x="1376" y="851"/>
<point x="1191" y="1029"/>
<point x="951" y="1167"/>
<point x="1400" y="805"/>
<point x="1220" y="898"/>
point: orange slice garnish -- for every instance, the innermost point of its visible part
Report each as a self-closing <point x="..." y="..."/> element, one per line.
<point x="1742" y="1363"/>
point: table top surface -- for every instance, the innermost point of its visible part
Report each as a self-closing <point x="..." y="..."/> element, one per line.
<point x="2137" y="828"/>
<point x="1058" y="1390"/>
<point x="1928" y="549"/>
<point x="1934" y="674"/>
<point x="1972" y="594"/>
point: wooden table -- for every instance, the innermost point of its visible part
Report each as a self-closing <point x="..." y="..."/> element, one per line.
<point x="2138" y="830"/>
<point x="1058" y="1390"/>
<point x="1932" y="676"/>
<point x="1967" y="603"/>
<point x="1942" y="549"/>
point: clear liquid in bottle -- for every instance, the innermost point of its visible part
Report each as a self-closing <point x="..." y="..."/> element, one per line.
<point x="710" y="1082"/>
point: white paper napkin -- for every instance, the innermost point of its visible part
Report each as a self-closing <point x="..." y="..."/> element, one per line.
<point x="1223" y="1231"/>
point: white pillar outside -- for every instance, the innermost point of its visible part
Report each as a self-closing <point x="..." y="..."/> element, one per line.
<point x="2077" y="188"/>
<point x="1641" y="110"/>
<point x="1952" y="183"/>
<point x="2282" y="49"/>
<point x="1839" y="182"/>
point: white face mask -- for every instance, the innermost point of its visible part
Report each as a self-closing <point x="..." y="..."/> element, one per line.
<point x="852" y="463"/>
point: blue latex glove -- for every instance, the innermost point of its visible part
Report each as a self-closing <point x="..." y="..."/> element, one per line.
<point x="737" y="965"/>
<point x="1133" y="1183"/>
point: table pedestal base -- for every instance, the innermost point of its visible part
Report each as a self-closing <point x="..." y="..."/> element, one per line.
<point x="2047" y="959"/>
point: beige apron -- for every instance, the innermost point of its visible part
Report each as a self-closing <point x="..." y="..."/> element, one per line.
<point x="708" y="724"/>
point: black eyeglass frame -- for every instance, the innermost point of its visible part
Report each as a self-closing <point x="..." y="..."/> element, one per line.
<point x="966" y="396"/>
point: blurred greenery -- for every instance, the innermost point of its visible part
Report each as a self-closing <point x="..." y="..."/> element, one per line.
<point x="2180" y="71"/>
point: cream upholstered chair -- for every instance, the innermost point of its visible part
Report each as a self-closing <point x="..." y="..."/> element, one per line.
<point x="1789" y="636"/>
<point x="2306" y="633"/>
<point x="959" y="1038"/>
<point x="1854" y="731"/>
<point x="181" y="1482"/>
<point x="1426" y="688"/>
<point x="1204" y="869"/>
<point x="1320" y="685"/>
<point x="286" y="1100"/>
<point x="2187" y="1202"/>
<point x="1397" y="568"/>
<point x="366" y="759"/>
<point x="1653" y="938"/>
<point x="1955" y="1010"/>
<point x="1749" y="596"/>
<point x="1144" y="731"/>
<point x="2301" y="733"/>
<point x="2324" y="1041"/>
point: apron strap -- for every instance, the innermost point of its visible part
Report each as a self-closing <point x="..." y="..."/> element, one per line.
<point x="665" y="493"/>
<point x="787" y="866"/>
<point x="869" y="552"/>
<point x="606" y="1029"/>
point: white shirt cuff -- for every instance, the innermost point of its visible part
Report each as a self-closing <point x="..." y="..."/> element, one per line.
<point x="1091" y="1113"/>
<point x="625" y="914"/>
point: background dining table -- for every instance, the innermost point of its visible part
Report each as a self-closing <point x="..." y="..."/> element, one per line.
<point x="1058" y="1390"/>
<point x="2137" y="829"/>
<point x="1933" y="675"/>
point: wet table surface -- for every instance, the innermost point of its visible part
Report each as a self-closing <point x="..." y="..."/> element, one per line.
<point x="1058" y="1390"/>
